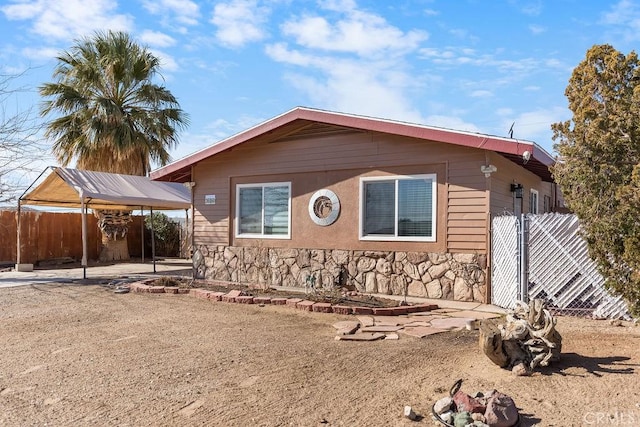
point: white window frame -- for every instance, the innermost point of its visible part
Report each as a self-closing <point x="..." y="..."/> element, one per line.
<point x="262" y="235"/>
<point x="395" y="237"/>
<point x="534" y="207"/>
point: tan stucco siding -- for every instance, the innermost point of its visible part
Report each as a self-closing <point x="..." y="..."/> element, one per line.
<point x="337" y="163"/>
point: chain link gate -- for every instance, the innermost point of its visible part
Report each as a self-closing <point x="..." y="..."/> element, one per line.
<point x="551" y="263"/>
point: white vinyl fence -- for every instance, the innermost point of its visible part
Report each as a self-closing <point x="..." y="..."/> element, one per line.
<point x="552" y="261"/>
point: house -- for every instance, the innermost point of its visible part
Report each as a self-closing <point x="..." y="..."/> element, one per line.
<point x="319" y="198"/>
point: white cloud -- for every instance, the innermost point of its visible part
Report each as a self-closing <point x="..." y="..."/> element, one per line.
<point x="167" y="62"/>
<point x="239" y="22"/>
<point x="529" y="7"/>
<point x="358" y="32"/>
<point x="156" y="38"/>
<point x="351" y="60"/>
<point x="374" y="88"/>
<point x="64" y="20"/>
<point x="450" y="122"/>
<point x="41" y="54"/>
<point x="481" y="94"/>
<point x="624" y="16"/>
<point x="537" y="29"/>
<point x="184" y="12"/>
<point x="536" y="125"/>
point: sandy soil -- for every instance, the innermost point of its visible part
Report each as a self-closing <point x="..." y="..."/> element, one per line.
<point x="78" y="355"/>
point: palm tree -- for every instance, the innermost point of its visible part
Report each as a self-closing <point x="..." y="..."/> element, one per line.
<point x="111" y="117"/>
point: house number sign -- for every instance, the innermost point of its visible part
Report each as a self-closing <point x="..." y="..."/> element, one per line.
<point x="324" y="207"/>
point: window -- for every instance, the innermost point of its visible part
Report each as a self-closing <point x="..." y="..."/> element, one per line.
<point x="533" y="201"/>
<point x="546" y="203"/>
<point x="263" y="210"/>
<point x="399" y="208"/>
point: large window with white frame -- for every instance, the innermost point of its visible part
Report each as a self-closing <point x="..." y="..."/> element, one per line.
<point x="400" y="208"/>
<point x="263" y="210"/>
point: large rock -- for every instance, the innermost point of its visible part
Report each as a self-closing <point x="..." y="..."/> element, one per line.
<point x="340" y="257"/>
<point x="417" y="257"/>
<point x="462" y="291"/>
<point x="383" y="266"/>
<point x="366" y="264"/>
<point x="416" y="289"/>
<point x="412" y="271"/>
<point x="370" y="282"/>
<point x="434" y="289"/>
<point x="501" y="411"/>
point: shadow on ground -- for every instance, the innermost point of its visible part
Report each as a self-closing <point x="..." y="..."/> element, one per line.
<point x="597" y="366"/>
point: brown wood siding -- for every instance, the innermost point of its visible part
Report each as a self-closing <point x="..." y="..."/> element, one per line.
<point x="338" y="162"/>
<point x="502" y="199"/>
<point x="467" y="204"/>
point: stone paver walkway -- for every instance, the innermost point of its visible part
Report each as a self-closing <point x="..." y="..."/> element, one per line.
<point x="420" y="325"/>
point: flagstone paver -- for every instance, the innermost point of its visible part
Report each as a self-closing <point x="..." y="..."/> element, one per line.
<point x="366" y="320"/>
<point x="422" y="331"/>
<point x="451" y="323"/>
<point x="476" y="314"/>
<point x="362" y="336"/>
<point x="381" y="328"/>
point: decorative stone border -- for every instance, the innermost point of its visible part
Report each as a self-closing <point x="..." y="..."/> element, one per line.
<point x="239" y="297"/>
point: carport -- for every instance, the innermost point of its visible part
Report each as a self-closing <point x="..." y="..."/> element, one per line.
<point x="74" y="188"/>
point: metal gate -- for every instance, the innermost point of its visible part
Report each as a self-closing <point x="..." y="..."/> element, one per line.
<point x="543" y="256"/>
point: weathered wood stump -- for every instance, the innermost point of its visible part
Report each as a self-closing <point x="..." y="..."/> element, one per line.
<point x="528" y="338"/>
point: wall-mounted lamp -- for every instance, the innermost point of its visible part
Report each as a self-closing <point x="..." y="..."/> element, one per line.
<point x="487" y="170"/>
<point x="526" y="156"/>
<point x="518" y="189"/>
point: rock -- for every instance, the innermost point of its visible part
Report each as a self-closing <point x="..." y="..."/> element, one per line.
<point x="466" y="403"/>
<point x="443" y="405"/>
<point x="501" y="411"/>
<point x="461" y="419"/>
<point x="434" y="289"/>
<point x="615" y="322"/>
<point x="416" y="289"/>
<point x="520" y="370"/>
<point x="478" y="417"/>
<point x="408" y="413"/>
<point x="447" y="417"/>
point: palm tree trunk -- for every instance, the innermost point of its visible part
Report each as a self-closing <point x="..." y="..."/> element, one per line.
<point x="114" y="226"/>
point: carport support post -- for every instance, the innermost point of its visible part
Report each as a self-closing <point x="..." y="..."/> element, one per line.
<point x="18" y="237"/>
<point x="153" y="242"/>
<point x="142" y="231"/>
<point x="83" y="206"/>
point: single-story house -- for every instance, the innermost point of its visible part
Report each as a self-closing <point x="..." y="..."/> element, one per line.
<point x="320" y="198"/>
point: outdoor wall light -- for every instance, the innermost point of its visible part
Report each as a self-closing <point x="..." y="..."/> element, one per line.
<point x="518" y="189"/>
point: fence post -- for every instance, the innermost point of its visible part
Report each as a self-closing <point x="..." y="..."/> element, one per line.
<point x="523" y="257"/>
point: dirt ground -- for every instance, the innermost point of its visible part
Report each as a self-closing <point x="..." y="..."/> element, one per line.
<point x="79" y="355"/>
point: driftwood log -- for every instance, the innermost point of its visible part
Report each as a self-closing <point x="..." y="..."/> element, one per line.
<point x="526" y="340"/>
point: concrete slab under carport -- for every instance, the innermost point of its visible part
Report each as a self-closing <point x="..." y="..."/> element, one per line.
<point x="133" y="270"/>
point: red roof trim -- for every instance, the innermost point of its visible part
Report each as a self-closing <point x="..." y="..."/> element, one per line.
<point x="468" y="139"/>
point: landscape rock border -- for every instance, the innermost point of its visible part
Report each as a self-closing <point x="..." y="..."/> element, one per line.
<point x="240" y="297"/>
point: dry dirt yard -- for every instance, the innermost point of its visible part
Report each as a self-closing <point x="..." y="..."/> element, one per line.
<point x="80" y="355"/>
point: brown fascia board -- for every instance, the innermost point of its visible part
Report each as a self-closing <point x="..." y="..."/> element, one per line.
<point x="430" y="133"/>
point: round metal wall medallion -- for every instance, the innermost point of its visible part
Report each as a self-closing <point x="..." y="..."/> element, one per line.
<point x="324" y="207"/>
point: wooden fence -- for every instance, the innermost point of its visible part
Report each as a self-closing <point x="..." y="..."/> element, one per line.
<point x="50" y="235"/>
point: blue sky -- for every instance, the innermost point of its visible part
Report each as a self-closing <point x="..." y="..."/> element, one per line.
<point x="462" y="64"/>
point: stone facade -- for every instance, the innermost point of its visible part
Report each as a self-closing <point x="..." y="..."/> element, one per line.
<point x="460" y="277"/>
